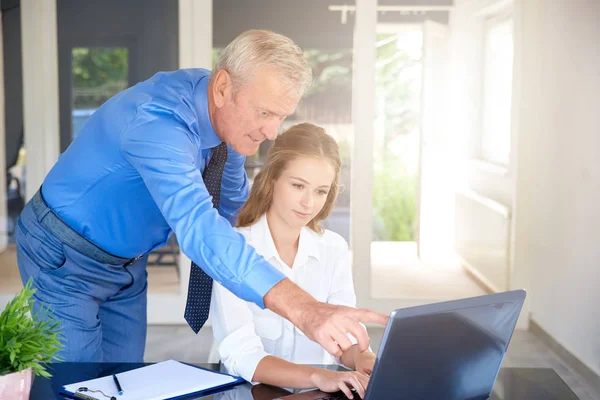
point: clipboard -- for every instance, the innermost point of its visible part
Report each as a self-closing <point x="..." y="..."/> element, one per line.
<point x="167" y="380"/>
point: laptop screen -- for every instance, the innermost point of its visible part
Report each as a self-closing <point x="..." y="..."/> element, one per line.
<point x="451" y="352"/>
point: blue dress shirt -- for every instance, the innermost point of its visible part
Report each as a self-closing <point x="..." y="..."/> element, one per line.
<point x="133" y="175"/>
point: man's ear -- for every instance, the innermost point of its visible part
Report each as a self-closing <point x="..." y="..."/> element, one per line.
<point x="222" y="88"/>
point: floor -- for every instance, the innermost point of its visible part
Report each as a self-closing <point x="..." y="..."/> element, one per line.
<point x="525" y="350"/>
<point x="411" y="278"/>
<point x="10" y="280"/>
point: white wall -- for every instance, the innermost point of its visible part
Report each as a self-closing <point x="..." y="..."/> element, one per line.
<point x="466" y="52"/>
<point x="486" y="259"/>
<point x="558" y="207"/>
<point x="553" y="183"/>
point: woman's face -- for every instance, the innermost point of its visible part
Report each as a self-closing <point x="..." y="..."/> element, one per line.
<point x="301" y="190"/>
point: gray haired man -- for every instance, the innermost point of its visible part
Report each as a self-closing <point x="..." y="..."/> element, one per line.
<point x="167" y="156"/>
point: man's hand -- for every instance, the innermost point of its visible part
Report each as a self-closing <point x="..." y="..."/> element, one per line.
<point x="326" y="324"/>
<point x="329" y="325"/>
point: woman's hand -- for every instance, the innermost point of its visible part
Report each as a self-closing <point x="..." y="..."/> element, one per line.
<point x="332" y="381"/>
<point x="364" y="362"/>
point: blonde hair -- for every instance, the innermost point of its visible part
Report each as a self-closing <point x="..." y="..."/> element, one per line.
<point x="255" y="48"/>
<point x="300" y="140"/>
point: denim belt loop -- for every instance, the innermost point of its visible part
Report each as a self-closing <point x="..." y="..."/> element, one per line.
<point x="39" y="205"/>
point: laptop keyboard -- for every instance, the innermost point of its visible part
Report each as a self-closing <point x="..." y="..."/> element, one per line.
<point x="339" y="396"/>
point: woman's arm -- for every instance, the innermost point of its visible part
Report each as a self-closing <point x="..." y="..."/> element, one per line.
<point x="347" y="359"/>
<point x="243" y="354"/>
<point x="239" y="347"/>
<point x="361" y="361"/>
<point x="278" y="372"/>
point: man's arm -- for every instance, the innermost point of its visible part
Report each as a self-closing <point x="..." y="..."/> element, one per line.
<point x="234" y="186"/>
<point x="324" y="323"/>
<point x="162" y="148"/>
<point x="166" y="163"/>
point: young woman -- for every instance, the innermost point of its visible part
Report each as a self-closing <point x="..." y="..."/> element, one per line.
<point x="295" y="191"/>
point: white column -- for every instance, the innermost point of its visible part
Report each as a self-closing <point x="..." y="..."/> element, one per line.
<point x="40" y="89"/>
<point x="363" y="116"/>
<point x="195" y="33"/>
<point x="528" y="63"/>
<point x="195" y="51"/>
<point x="3" y="212"/>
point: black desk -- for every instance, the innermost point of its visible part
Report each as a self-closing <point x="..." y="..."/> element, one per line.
<point x="512" y="383"/>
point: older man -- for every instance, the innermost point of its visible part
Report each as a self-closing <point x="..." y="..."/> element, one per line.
<point x="164" y="156"/>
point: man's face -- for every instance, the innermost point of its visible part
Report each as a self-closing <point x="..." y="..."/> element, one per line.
<point x="252" y="113"/>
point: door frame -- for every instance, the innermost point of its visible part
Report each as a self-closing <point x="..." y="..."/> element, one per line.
<point x="363" y="99"/>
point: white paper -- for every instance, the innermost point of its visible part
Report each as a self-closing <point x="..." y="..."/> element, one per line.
<point x="155" y="382"/>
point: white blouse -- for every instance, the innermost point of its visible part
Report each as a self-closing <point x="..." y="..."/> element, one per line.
<point x="245" y="333"/>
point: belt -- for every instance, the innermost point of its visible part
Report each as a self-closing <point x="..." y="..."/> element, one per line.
<point x="70" y="237"/>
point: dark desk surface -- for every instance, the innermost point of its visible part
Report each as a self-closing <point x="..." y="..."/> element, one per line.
<point x="512" y="383"/>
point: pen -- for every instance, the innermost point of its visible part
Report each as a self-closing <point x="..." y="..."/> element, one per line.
<point x="118" y="385"/>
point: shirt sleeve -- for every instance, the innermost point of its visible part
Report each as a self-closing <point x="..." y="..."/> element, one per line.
<point x="162" y="148"/>
<point x="234" y="186"/>
<point x="239" y="347"/>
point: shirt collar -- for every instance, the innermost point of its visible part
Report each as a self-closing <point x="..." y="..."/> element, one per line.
<point x="261" y="237"/>
<point x="209" y="137"/>
<point x="307" y="246"/>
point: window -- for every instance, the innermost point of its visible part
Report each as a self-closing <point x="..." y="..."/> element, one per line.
<point x="497" y="89"/>
<point x="98" y="74"/>
<point x="398" y="76"/>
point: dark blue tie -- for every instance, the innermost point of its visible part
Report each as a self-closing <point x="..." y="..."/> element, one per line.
<point x="200" y="287"/>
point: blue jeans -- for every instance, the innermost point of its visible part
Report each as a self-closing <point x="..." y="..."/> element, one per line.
<point x="99" y="299"/>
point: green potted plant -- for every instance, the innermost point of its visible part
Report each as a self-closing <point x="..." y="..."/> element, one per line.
<point x="28" y="341"/>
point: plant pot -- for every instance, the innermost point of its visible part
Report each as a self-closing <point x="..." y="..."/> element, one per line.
<point x="16" y="386"/>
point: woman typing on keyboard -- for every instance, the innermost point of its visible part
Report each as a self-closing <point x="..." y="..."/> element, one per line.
<point x="293" y="193"/>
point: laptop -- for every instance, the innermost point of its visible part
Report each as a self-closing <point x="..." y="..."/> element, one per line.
<point x="451" y="350"/>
